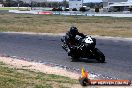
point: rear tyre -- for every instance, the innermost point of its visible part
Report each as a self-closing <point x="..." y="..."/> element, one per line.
<point x="99" y="56"/>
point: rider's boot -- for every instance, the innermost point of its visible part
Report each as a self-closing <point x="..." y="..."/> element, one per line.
<point x="69" y="52"/>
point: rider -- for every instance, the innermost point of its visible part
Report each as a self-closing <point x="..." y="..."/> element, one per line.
<point x="71" y="40"/>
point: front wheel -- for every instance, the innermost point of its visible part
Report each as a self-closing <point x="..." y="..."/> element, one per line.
<point x="99" y="56"/>
<point x="75" y="58"/>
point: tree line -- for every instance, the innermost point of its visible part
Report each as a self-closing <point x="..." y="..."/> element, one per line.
<point x="12" y="3"/>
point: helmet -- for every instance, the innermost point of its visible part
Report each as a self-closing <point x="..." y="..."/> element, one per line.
<point x="73" y="31"/>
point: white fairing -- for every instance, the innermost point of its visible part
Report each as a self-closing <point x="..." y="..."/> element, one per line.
<point x="88" y="40"/>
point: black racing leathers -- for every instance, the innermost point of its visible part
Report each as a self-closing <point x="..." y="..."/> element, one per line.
<point x="71" y="41"/>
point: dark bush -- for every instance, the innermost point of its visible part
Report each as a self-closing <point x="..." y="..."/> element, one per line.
<point x="96" y="9"/>
<point x="130" y="9"/>
<point x="57" y="9"/>
<point x="60" y="9"/>
<point x="74" y="9"/>
<point x="82" y="9"/>
<point x="54" y="9"/>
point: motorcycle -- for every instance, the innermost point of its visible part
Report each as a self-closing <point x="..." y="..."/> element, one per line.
<point x="85" y="49"/>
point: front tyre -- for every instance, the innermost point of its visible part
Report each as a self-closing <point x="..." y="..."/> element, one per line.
<point x="99" y="56"/>
<point x="75" y="58"/>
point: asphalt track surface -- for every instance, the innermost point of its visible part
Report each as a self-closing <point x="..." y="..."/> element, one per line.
<point x="43" y="48"/>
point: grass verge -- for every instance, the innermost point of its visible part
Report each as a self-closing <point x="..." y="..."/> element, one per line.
<point x="20" y="78"/>
<point x="104" y="26"/>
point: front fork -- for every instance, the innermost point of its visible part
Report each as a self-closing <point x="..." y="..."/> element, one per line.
<point x="64" y="46"/>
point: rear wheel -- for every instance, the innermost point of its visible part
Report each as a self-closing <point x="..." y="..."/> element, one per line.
<point x="99" y="56"/>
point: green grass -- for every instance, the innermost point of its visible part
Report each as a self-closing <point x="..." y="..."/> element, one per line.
<point x="104" y="26"/>
<point x="19" y="78"/>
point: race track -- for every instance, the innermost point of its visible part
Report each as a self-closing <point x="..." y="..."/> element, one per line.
<point x="43" y="48"/>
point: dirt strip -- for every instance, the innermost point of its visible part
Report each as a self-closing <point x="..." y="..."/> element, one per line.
<point x="40" y="67"/>
<point x="62" y="34"/>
